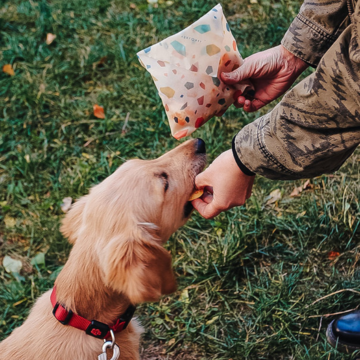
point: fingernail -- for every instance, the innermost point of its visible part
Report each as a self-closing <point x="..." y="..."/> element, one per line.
<point x="227" y="75"/>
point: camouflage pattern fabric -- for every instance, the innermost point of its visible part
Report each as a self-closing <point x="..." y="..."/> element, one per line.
<point x="316" y="126"/>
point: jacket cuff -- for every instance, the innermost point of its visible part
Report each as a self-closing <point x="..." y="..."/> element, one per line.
<point x="307" y="41"/>
<point x="242" y="167"/>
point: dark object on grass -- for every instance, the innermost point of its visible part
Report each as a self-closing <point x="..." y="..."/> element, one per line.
<point x="344" y="332"/>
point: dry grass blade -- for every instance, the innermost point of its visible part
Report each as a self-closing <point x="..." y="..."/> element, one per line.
<point x="334" y="293"/>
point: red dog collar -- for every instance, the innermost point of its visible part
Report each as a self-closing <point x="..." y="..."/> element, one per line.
<point x="93" y="328"/>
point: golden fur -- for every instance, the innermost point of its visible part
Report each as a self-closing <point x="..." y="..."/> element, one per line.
<point x="118" y="230"/>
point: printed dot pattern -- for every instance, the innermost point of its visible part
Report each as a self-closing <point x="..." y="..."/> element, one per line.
<point x="186" y="70"/>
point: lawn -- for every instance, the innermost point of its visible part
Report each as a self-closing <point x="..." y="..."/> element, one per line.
<point x="257" y="282"/>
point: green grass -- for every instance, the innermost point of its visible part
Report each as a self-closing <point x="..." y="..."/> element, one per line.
<point x="249" y="279"/>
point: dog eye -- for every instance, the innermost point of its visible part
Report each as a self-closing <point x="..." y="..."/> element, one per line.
<point x="164" y="177"/>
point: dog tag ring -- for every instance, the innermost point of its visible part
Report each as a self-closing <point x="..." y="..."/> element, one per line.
<point x="115" y="349"/>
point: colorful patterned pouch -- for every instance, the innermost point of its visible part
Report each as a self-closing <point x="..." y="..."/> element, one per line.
<point x="186" y="70"/>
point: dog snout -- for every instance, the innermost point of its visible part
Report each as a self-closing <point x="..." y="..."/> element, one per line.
<point x="200" y="146"/>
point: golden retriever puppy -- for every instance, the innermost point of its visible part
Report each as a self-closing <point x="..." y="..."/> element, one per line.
<point x="118" y="260"/>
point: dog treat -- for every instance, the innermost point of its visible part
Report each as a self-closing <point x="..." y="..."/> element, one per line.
<point x="186" y="70"/>
<point x="196" y="194"/>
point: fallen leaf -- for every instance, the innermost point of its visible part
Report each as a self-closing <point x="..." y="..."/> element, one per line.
<point x="66" y="204"/>
<point x="171" y="341"/>
<point x="9" y="221"/>
<point x="11" y="265"/>
<point x="274" y="196"/>
<point x="308" y="185"/>
<point x="332" y="255"/>
<point x="296" y="192"/>
<point x="50" y="38"/>
<point x="184" y="296"/>
<point x="38" y="259"/>
<point x="55" y="274"/>
<point x="8" y="69"/>
<point x="99" y="111"/>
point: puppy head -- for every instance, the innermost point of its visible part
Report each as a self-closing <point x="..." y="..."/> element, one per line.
<point x="126" y="219"/>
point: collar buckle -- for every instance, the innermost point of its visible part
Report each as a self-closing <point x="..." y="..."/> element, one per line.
<point x="68" y="316"/>
<point x="98" y="329"/>
<point x="94" y="328"/>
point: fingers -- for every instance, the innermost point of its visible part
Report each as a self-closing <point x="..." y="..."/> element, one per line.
<point x="243" y="72"/>
<point x="239" y="74"/>
<point x="249" y="105"/>
<point x="240" y="101"/>
<point x="205" y="205"/>
<point x="253" y="105"/>
<point x="208" y="211"/>
<point x="208" y="195"/>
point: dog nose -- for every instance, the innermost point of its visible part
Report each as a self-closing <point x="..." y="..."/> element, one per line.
<point x="200" y="146"/>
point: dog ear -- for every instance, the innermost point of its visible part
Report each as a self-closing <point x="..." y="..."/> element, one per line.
<point x="72" y="221"/>
<point x="141" y="269"/>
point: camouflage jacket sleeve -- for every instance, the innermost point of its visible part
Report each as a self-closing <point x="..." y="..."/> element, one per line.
<point x="316" y="126"/>
<point x="315" y="28"/>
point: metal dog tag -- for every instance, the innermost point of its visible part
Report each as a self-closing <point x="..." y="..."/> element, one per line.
<point x="108" y="345"/>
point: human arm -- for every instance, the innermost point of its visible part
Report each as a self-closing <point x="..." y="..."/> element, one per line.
<point x="316" y="125"/>
<point x="272" y="72"/>
<point x="314" y="128"/>
<point x="315" y="28"/>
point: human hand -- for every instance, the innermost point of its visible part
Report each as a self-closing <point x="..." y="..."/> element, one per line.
<point x="225" y="184"/>
<point x="271" y="72"/>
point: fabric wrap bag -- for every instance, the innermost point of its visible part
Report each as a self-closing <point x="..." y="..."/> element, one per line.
<point x="186" y="70"/>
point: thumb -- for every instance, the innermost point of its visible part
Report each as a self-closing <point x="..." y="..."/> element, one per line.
<point x="241" y="73"/>
<point x="202" y="180"/>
